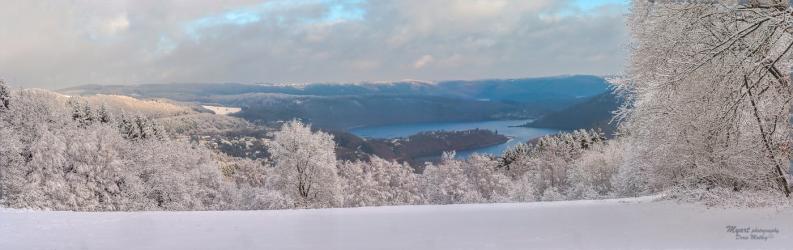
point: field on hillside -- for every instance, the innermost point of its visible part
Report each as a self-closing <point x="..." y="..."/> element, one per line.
<point x="606" y="224"/>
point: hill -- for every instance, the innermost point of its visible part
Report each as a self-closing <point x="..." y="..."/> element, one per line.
<point x="410" y="149"/>
<point x="524" y="90"/>
<point x="343" y="112"/>
<point x="593" y="113"/>
<point x="345" y="105"/>
<point x="152" y="108"/>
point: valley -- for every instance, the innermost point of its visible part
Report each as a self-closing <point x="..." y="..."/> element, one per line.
<point x="406" y="121"/>
<point x="342" y="106"/>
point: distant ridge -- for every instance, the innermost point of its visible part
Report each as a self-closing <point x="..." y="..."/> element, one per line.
<point x="593" y="113"/>
<point x="345" y="105"/>
<point x="517" y="90"/>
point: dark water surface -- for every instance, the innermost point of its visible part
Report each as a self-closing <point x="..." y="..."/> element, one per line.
<point x="516" y="134"/>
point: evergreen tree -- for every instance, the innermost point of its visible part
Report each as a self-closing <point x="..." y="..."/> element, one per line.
<point x="5" y="96"/>
<point x="139" y="128"/>
<point x="103" y="115"/>
<point x="81" y="112"/>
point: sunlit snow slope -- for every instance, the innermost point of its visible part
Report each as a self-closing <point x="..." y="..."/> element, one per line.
<point x="610" y="224"/>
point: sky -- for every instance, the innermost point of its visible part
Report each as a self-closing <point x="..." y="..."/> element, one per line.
<point x="57" y="44"/>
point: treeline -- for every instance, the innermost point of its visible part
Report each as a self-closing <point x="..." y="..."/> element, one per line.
<point x="249" y="143"/>
<point x="304" y="172"/>
<point x="410" y="149"/>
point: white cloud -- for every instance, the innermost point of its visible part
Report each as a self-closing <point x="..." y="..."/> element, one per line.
<point x="423" y="61"/>
<point x="116" y="25"/>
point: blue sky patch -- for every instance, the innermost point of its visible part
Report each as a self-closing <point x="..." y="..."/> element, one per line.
<point x="587" y="5"/>
<point x="335" y="10"/>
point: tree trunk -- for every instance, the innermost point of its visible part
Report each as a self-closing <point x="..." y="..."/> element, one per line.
<point x="781" y="180"/>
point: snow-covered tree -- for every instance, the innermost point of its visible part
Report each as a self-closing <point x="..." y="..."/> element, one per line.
<point x="138" y="127"/>
<point x="522" y="190"/>
<point x="447" y="183"/>
<point x="5" y="96"/>
<point x="81" y="111"/>
<point x="547" y="162"/>
<point x="305" y="162"/>
<point x="245" y="171"/>
<point x="633" y="178"/>
<point x="491" y="184"/>
<point x="49" y="160"/>
<point x="103" y="114"/>
<point x="708" y="93"/>
<point x="378" y="182"/>
<point x="515" y="154"/>
<point x="592" y="176"/>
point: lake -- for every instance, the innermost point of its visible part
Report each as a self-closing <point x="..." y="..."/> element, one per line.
<point x="517" y="135"/>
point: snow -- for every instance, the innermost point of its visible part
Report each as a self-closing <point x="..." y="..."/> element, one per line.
<point x="222" y="110"/>
<point x="607" y="224"/>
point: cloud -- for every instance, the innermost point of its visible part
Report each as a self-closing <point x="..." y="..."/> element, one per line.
<point x="57" y="44"/>
<point x="116" y="24"/>
<point x="423" y="61"/>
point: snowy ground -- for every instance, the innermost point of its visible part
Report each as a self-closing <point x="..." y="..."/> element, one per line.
<point x="222" y="110"/>
<point x="610" y="224"/>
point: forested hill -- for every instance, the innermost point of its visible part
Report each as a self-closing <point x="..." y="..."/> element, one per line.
<point x="410" y="149"/>
<point x="593" y="113"/>
<point x="341" y="106"/>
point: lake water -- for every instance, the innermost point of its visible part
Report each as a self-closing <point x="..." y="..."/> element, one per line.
<point x="516" y="134"/>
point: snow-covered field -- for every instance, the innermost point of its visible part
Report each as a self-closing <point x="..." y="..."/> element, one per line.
<point x="222" y="110"/>
<point x="610" y="224"/>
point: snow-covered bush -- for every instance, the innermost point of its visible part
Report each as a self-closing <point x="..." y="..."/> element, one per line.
<point x="245" y="197"/>
<point x="552" y="194"/>
<point x="727" y="197"/>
